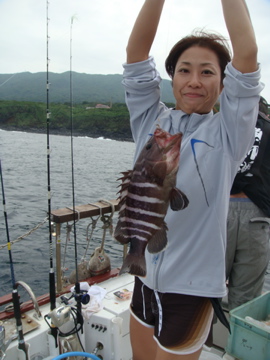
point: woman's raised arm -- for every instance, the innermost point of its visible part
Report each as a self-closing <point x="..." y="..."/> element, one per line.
<point x="242" y="35"/>
<point x="144" y="31"/>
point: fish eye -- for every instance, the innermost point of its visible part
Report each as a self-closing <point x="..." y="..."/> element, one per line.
<point x="148" y="146"/>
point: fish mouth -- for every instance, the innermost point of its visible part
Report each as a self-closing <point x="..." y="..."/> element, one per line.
<point x="166" y="141"/>
<point x="175" y="141"/>
<point x="169" y="147"/>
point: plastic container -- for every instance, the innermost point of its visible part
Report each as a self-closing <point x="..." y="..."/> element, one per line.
<point x="205" y="355"/>
<point x="248" y="341"/>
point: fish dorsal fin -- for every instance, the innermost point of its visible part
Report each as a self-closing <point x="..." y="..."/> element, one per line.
<point x="178" y="200"/>
<point x="123" y="187"/>
<point x="126" y="175"/>
<point x="159" y="241"/>
<point x="124" y="184"/>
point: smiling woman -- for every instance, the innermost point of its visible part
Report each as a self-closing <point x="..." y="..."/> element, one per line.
<point x="190" y="271"/>
<point x="197" y="81"/>
<point x="196" y="65"/>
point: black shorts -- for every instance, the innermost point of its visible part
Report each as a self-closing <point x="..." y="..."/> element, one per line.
<point x="181" y="322"/>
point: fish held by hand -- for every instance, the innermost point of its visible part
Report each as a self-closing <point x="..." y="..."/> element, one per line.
<point x="145" y="195"/>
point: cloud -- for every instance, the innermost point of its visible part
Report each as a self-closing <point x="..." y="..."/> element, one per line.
<point x="100" y="33"/>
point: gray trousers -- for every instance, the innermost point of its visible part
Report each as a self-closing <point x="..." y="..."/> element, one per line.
<point x="247" y="254"/>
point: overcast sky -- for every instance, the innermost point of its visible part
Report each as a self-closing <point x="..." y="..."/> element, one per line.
<point x="100" y="30"/>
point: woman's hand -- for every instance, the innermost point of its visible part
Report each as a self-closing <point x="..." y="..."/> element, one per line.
<point x="144" y="31"/>
<point x="242" y="35"/>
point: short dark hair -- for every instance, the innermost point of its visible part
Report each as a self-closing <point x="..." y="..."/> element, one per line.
<point x="212" y="41"/>
<point x="263" y="106"/>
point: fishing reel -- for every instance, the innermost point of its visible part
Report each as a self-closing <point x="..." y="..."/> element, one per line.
<point x="59" y="316"/>
<point x="62" y="314"/>
<point x="83" y="297"/>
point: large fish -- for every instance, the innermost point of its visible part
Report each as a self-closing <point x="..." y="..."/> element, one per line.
<point x="145" y="194"/>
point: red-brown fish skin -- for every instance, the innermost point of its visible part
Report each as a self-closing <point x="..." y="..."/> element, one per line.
<point x="146" y="192"/>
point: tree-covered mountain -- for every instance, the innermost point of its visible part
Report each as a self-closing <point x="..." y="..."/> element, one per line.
<point x="23" y="101"/>
<point x="88" y="88"/>
<point x="84" y="119"/>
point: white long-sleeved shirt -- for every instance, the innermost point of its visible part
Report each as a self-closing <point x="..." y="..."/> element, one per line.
<point x="213" y="146"/>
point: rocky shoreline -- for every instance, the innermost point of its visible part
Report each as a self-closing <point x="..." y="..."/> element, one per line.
<point x="65" y="132"/>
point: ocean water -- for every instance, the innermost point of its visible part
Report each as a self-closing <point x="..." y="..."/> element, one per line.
<point x="97" y="166"/>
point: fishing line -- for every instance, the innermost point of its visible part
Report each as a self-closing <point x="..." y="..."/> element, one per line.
<point x="72" y="151"/>
<point x="77" y="284"/>
<point x="8" y="79"/>
<point x="15" y="296"/>
<point x="48" y="115"/>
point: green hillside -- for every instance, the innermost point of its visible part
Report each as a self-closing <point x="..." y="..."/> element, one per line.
<point x="28" y="86"/>
<point x="87" y="120"/>
<point x="23" y="99"/>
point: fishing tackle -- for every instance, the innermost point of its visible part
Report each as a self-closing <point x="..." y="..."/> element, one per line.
<point x="68" y="232"/>
<point x="77" y="284"/>
<point x="94" y="224"/>
<point x="107" y="221"/>
<point x="51" y="274"/>
<point x="83" y="267"/>
<point x="61" y="315"/>
<point x="99" y="262"/>
<point x="15" y="297"/>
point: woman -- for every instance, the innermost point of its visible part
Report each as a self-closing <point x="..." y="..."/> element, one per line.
<point x="171" y="311"/>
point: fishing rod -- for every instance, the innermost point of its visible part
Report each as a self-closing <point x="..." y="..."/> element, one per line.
<point x="15" y="296"/>
<point x="79" y="296"/>
<point x="52" y="290"/>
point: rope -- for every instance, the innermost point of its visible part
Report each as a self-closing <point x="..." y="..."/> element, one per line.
<point x="69" y="228"/>
<point x="107" y="222"/>
<point x="75" y="211"/>
<point x="94" y="224"/>
<point x="26" y="234"/>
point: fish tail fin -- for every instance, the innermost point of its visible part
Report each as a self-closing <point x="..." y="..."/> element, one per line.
<point x="134" y="265"/>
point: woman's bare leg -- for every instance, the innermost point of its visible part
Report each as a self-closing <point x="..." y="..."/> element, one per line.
<point x="163" y="355"/>
<point x="143" y="345"/>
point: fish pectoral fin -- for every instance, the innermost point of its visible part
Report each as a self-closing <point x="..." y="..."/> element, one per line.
<point x="159" y="241"/>
<point x="121" y="234"/>
<point x="178" y="200"/>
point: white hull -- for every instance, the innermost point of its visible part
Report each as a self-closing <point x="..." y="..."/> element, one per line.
<point x="105" y="332"/>
<point x="108" y="328"/>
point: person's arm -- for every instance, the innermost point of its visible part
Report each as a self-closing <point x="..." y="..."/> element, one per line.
<point x="144" y="31"/>
<point x="242" y="35"/>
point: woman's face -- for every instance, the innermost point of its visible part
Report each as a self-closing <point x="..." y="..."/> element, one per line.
<point x="197" y="80"/>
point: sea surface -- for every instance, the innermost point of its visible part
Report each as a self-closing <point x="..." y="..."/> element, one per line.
<point x="97" y="166"/>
